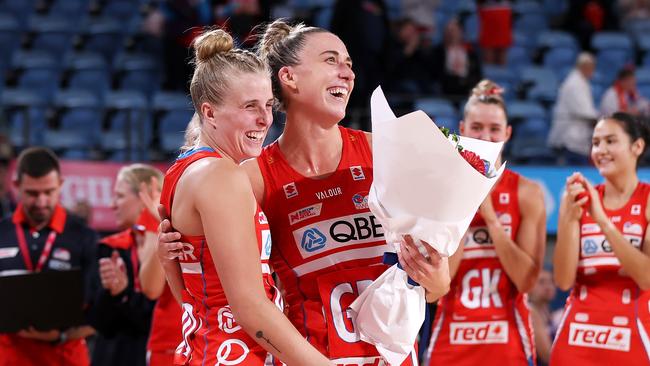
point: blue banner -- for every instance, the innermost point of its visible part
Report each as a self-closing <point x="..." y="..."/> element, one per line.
<point x="553" y="181"/>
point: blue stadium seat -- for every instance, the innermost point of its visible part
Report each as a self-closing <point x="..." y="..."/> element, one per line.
<point x="543" y="79"/>
<point x="120" y="9"/>
<point x="51" y="34"/>
<point x="471" y="28"/>
<point x="137" y="72"/>
<point x="523" y="39"/>
<point x="553" y="39"/>
<point x="643" y="41"/>
<point x="435" y="107"/>
<point x="644" y="90"/>
<point x="72" y="8"/>
<point x="504" y="76"/>
<point x="527" y="7"/>
<point x="129" y="125"/>
<point x="79" y="112"/>
<point x="38" y="71"/>
<point x="521" y="110"/>
<point x="174" y="112"/>
<point x="531" y="24"/>
<point x="9" y="36"/>
<point x="597" y="91"/>
<point x="88" y="71"/>
<point x="611" y="41"/>
<point x="558" y="57"/>
<point x="642" y="75"/>
<point x="104" y="35"/>
<point x="25" y="111"/>
<point x="63" y="140"/>
<point x="610" y="61"/>
<point x="323" y="17"/>
<point x="517" y="58"/>
<point x="529" y="142"/>
<point x="554" y="8"/>
<point x="19" y="8"/>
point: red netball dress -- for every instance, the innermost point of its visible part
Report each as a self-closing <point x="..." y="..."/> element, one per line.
<point x="328" y="246"/>
<point x="484" y="319"/>
<point x="606" y="317"/>
<point x="211" y="335"/>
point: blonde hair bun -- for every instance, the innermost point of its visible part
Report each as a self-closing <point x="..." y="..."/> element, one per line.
<point x="211" y="43"/>
<point x="487" y="88"/>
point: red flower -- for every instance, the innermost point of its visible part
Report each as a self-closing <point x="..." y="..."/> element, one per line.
<point x="474" y="160"/>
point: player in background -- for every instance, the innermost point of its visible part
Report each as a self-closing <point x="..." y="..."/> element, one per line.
<point x="602" y="251"/>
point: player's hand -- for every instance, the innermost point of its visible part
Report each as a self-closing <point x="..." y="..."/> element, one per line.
<point x="572" y="205"/>
<point x="430" y="271"/>
<point x="149" y="195"/>
<point x="169" y="245"/>
<point x="45" y="336"/>
<point x="112" y="273"/>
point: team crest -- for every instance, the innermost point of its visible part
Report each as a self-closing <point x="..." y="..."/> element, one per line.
<point x="360" y="200"/>
<point x="504" y="198"/>
<point x="636" y="210"/>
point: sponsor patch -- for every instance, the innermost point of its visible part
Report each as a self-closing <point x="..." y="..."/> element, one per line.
<point x="59" y="265"/>
<point x="635" y="210"/>
<point x="504" y="198"/>
<point x="8" y="252"/>
<point x="313" y="240"/>
<point x="360" y="200"/>
<point x="290" y="190"/>
<point x="337" y="233"/>
<point x="505" y="219"/>
<point x="632" y="228"/>
<point x="360" y="361"/>
<point x="261" y="217"/>
<point x="267" y="244"/>
<point x="357" y="172"/>
<point x="599" y="336"/>
<point x="478" y="332"/>
<point x="61" y="253"/>
<point x="305" y="213"/>
<point x="590" y="229"/>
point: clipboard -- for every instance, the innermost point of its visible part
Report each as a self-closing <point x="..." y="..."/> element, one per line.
<point x="45" y="300"/>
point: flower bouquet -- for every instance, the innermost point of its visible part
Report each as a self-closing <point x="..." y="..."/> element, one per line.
<point x="428" y="184"/>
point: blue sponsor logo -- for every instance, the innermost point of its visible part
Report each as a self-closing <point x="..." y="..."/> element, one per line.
<point x="590" y="247"/>
<point x="312" y="240"/>
<point x="267" y="246"/>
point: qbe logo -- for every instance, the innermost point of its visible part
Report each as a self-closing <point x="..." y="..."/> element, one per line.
<point x="339" y="232"/>
<point x="313" y="240"/>
<point x="589" y="247"/>
<point x="479" y="332"/>
<point x="599" y="336"/>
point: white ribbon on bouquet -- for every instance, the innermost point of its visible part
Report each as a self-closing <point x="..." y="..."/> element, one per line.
<point x="424" y="188"/>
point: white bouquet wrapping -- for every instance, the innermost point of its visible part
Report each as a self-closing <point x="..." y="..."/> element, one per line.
<point x="422" y="187"/>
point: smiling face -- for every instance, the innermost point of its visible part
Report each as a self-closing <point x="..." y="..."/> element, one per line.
<point x="126" y="204"/>
<point x="322" y="81"/>
<point x="612" y="150"/>
<point x="486" y="122"/>
<point x="239" y="124"/>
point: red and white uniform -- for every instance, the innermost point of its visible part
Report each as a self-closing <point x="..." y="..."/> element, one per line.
<point x="483" y="319"/>
<point x="606" y="319"/>
<point x="165" y="330"/>
<point x="328" y="247"/>
<point x="211" y="336"/>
